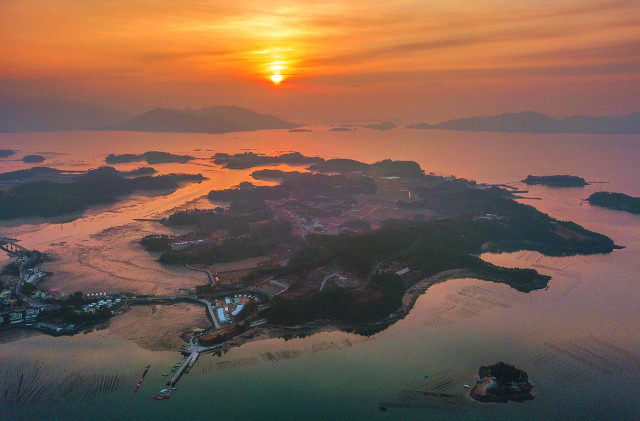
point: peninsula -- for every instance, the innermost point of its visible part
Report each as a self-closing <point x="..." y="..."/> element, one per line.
<point x="345" y="247"/>
<point x="616" y="201"/>
<point x="45" y="198"/>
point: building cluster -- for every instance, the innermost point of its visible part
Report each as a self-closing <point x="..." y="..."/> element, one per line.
<point x="228" y="308"/>
<point x="109" y="303"/>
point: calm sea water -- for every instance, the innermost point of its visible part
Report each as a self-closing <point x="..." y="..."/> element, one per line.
<point x="578" y="339"/>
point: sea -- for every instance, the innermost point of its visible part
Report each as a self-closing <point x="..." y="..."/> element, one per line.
<point x="578" y="339"/>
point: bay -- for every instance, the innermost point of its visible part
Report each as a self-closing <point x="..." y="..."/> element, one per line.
<point x="578" y="339"/>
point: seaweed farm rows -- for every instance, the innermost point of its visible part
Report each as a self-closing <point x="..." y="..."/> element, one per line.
<point x="282" y="355"/>
<point x="31" y="382"/>
<point x="470" y="301"/>
<point x="584" y="358"/>
<point x="441" y="390"/>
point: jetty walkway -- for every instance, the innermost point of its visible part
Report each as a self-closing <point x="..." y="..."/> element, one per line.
<point x="12" y="248"/>
<point x="188" y="363"/>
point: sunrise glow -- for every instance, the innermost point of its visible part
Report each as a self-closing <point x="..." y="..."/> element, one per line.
<point x="396" y="52"/>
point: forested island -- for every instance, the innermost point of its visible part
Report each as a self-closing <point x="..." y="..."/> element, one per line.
<point x="616" y="201"/>
<point x="100" y="186"/>
<point x="249" y="159"/>
<point x="30" y="173"/>
<point x="5" y="153"/>
<point x="151" y="157"/>
<point x="30" y="159"/>
<point x="347" y="246"/>
<point x="556" y="180"/>
<point x="267" y="174"/>
<point x="385" y="168"/>
<point x="502" y="382"/>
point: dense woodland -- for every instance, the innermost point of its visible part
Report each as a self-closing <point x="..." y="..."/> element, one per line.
<point x="616" y="201"/>
<point x="340" y="304"/>
<point x="249" y="159"/>
<point x="556" y="180"/>
<point x="103" y="185"/>
<point x="151" y="157"/>
<point x="309" y="184"/>
<point x="259" y="241"/>
<point x="387" y="167"/>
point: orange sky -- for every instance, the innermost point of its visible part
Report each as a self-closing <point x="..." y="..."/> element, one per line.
<point x="417" y="60"/>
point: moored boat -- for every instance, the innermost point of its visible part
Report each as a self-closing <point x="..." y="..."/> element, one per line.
<point x="142" y="378"/>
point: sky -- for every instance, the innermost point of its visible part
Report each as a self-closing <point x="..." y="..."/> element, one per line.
<point x="341" y="60"/>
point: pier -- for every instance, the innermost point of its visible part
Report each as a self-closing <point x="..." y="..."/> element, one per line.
<point x="188" y="363"/>
<point x="12" y="248"/>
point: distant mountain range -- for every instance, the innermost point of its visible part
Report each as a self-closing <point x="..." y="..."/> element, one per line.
<point x="55" y="114"/>
<point x="219" y="119"/>
<point x="532" y="122"/>
<point x="51" y="113"/>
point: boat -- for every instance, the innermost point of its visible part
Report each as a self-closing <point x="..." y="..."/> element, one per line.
<point x="164" y="374"/>
<point x="467" y="386"/>
<point x="141" y="379"/>
<point x="164" y="394"/>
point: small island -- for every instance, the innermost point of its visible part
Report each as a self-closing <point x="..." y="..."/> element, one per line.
<point x="387" y="125"/>
<point x="241" y="161"/>
<point x="339" y="165"/>
<point x="31" y="173"/>
<point x="384" y="168"/>
<point x="267" y="174"/>
<point x="33" y="158"/>
<point x="151" y="157"/>
<point x="502" y="382"/>
<point x="556" y="180"/>
<point x="5" y="153"/>
<point x="341" y="129"/>
<point x="422" y="126"/>
<point x="616" y="201"/>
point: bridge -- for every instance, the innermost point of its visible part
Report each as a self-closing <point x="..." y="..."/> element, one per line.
<point x="12" y="248"/>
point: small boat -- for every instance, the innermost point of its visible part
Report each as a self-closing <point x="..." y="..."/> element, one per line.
<point x="382" y="408"/>
<point x="161" y="397"/>
<point x="174" y="388"/>
<point x="467" y="386"/>
<point x="141" y="379"/>
<point x="164" y="374"/>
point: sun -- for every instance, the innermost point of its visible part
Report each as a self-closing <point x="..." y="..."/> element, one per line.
<point x="277" y="78"/>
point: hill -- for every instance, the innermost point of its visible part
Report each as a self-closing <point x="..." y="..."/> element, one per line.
<point x="219" y="119"/>
<point x="533" y="122"/>
<point x="54" y="114"/>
